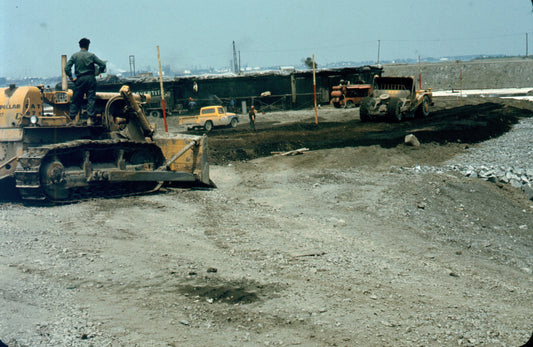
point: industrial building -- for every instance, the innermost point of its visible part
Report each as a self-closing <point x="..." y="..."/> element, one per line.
<point x="284" y="89"/>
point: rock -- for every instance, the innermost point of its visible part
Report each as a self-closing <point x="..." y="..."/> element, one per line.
<point x="492" y="178"/>
<point x="452" y="274"/>
<point x="471" y="173"/>
<point x="528" y="191"/>
<point x="411" y="140"/>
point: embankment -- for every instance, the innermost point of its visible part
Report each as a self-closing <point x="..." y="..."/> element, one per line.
<point x="476" y="74"/>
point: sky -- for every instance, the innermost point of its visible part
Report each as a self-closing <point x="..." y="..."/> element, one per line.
<point x="199" y="34"/>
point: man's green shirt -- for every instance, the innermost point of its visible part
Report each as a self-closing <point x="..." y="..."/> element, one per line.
<point x="84" y="64"/>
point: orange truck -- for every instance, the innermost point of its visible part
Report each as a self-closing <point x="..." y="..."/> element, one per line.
<point x="349" y="95"/>
<point x="210" y="117"/>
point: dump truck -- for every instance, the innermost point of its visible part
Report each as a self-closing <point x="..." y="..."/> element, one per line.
<point x="395" y="98"/>
<point x="46" y="156"/>
<point x="349" y="95"/>
<point x="210" y="117"/>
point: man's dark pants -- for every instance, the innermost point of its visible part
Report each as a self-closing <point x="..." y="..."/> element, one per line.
<point x="84" y="85"/>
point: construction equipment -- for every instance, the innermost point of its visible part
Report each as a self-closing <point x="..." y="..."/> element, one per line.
<point x="349" y="95"/>
<point x="210" y="117"/>
<point x="395" y="98"/>
<point x="50" y="157"/>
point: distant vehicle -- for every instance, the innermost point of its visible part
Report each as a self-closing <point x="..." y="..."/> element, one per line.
<point x="395" y="98"/>
<point x="210" y="117"/>
<point x="349" y="95"/>
<point x="154" y="107"/>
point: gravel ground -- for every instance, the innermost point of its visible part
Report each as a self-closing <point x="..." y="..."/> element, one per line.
<point x="335" y="247"/>
<point x="505" y="159"/>
<point x="514" y="149"/>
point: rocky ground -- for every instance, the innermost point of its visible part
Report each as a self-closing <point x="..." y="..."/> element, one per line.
<point x="361" y="240"/>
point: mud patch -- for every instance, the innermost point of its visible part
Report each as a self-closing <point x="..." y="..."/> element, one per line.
<point x="232" y="293"/>
<point x="450" y="122"/>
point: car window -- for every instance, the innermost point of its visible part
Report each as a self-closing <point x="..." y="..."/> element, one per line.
<point x="220" y="110"/>
<point x="208" y="111"/>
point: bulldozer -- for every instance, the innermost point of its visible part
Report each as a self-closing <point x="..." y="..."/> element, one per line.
<point x="47" y="156"/>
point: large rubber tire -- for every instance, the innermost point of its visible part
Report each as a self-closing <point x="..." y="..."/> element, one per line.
<point x="364" y="110"/>
<point x="234" y="122"/>
<point x="394" y="111"/>
<point x="423" y="110"/>
<point x="208" y="126"/>
<point x="156" y="114"/>
<point x="349" y="104"/>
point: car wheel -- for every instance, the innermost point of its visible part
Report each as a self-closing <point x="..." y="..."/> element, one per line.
<point x="208" y="126"/>
<point x="155" y="113"/>
<point x="234" y="122"/>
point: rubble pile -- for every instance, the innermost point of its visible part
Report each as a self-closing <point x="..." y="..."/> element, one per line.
<point x="506" y="159"/>
<point x="517" y="177"/>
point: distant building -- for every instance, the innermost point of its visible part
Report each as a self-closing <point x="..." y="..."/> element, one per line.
<point x="287" y="88"/>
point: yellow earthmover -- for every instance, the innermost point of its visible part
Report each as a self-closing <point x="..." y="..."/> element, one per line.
<point x="48" y="156"/>
<point x="395" y="98"/>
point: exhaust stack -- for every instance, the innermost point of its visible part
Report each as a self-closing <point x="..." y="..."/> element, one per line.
<point x="64" y="80"/>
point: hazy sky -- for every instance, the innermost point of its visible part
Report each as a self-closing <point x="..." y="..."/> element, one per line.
<point x="35" y="33"/>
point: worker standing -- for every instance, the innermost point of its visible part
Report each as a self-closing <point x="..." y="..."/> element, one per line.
<point x="251" y="114"/>
<point x="86" y="66"/>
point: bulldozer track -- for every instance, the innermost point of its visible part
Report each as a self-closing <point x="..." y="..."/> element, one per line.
<point x="33" y="188"/>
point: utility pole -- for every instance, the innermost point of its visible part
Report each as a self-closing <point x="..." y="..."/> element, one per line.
<point x="132" y="66"/>
<point x="461" y="83"/>
<point x="527" y="42"/>
<point x="314" y="90"/>
<point x="235" y="63"/>
<point x="419" y="74"/>
<point x="379" y="47"/>
<point x="162" y="91"/>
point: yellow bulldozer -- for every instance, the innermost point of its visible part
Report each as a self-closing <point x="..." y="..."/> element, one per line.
<point x="47" y="156"/>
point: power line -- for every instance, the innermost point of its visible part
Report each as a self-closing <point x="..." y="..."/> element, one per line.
<point x="372" y="42"/>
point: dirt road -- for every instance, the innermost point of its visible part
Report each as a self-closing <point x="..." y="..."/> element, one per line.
<point x="335" y="247"/>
